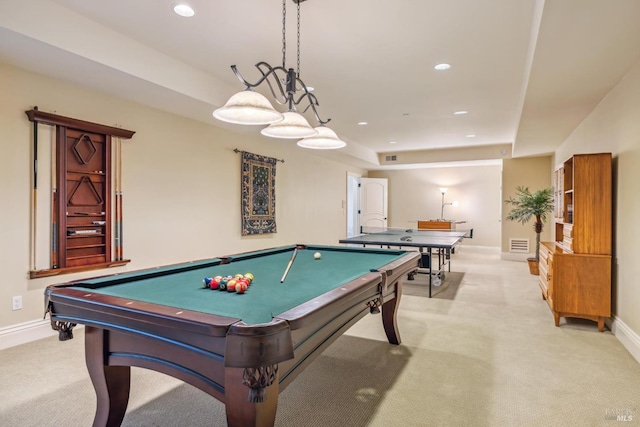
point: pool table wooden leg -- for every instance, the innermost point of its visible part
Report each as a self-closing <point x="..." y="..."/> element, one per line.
<point x="112" y="383"/>
<point x="241" y="412"/>
<point x="389" y="315"/>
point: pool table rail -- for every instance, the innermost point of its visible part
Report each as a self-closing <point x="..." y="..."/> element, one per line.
<point x="86" y="306"/>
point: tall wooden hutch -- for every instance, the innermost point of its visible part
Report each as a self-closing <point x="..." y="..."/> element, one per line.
<point x="575" y="269"/>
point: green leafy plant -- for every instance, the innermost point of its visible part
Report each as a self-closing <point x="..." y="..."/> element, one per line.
<point x="527" y="205"/>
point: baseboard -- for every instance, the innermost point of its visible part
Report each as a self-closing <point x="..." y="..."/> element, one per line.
<point x="473" y="248"/>
<point x="627" y="336"/>
<point x="25" y="332"/>
<point x="509" y="256"/>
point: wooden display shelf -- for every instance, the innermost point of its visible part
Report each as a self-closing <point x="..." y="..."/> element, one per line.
<point x="575" y="269"/>
<point x="82" y="176"/>
<point x="66" y="270"/>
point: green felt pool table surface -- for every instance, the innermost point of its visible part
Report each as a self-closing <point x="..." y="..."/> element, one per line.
<point x="181" y="286"/>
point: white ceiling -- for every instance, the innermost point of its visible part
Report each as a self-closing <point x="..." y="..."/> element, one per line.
<point x="527" y="71"/>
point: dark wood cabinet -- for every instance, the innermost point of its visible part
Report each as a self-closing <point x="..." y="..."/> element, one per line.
<point x="84" y="235"/>
<point x="84" y="206"/>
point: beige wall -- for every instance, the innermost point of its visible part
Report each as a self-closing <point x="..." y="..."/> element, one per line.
<point x="614" y="126"/>
<point x="414" y="195"/>
<point x="532" y="172"/>
<point x="180" y="183"/>
<point x="174" y="165"/>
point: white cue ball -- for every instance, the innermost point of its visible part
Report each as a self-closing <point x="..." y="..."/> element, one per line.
<point x="317" y="255"/>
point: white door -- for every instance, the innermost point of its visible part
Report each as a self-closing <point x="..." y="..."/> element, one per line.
<point x="373" y="202"/>
<point x="353" y="204"/>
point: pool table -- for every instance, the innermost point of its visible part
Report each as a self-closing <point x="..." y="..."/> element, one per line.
<point x="242" y="349"/>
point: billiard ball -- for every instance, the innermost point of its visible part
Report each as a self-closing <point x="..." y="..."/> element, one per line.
<point x="206" y="282"/>
<point x="249" y="276"/>
<point x="215" y="283"/>
<point x="231" y="285"/>
<point x="241" y="287"/>
<point x="317" y="255"/>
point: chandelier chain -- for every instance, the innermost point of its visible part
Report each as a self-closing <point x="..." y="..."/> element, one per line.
<point x="282" y="81"/>
<point x="284" y="33"/>
<point x="298" y="39"/>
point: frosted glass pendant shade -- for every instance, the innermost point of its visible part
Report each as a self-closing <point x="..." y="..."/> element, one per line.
<point x="293" y="126"/>
<point x="248" y="108"/>
<point x="326" y="139"/>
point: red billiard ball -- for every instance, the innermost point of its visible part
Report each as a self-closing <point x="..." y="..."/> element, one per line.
<point x="231" y="285"/>
<point x="215" y="283"/>
<point x="241" y="287"/>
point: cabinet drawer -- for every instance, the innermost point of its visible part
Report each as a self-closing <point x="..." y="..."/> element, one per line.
<point x="542" y="282"/>
<point x="544" y="254"/>
<point x="544" y="269"/>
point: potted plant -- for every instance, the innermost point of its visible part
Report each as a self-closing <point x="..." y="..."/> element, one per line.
<point x="527" y="205"/>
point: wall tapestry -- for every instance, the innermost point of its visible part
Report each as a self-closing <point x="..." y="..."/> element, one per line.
<point x="258" y="194"/>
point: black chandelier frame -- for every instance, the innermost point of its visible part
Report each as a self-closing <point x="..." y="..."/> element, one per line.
<point x="285" y="94"/>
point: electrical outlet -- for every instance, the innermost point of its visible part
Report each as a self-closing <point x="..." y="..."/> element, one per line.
<point x="17" y="303"/>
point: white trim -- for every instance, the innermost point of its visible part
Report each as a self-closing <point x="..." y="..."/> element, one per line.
<point x="474" y="248"/>
<point x="508" y="256"/>
<point x="629" y="339"/>
<point x="23" y="333"/>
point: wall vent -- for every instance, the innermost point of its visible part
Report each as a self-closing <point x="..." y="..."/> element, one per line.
<point x="390" y="158"/>
<point x="520" y="246"/>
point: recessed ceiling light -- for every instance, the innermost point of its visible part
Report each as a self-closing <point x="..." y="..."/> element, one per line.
<point x="459" y="113"/>
<point x="470" y="135"/>
<point x="392" y="142"/>
<point x="184" y="10"/>
<point x="442" y="67"/>
<point x="362" y="123"/>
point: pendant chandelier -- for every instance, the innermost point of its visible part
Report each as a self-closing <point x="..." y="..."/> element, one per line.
<point x="249" y="107"/>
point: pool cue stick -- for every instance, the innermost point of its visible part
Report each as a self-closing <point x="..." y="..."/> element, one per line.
<point x="115" y="170"/>
<point x="118" y="198"/>
<point x="121" y="215"/>
<point x="293" y="256"/>
<point x="54" y="205"/>
<point x="34" y="194"/>
<point x="117" y="202"/>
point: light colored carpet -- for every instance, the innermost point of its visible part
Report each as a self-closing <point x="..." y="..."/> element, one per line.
<point x="482" y="352"/>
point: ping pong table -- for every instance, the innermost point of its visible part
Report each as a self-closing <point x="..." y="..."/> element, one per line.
<point x="428" y="242"/>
